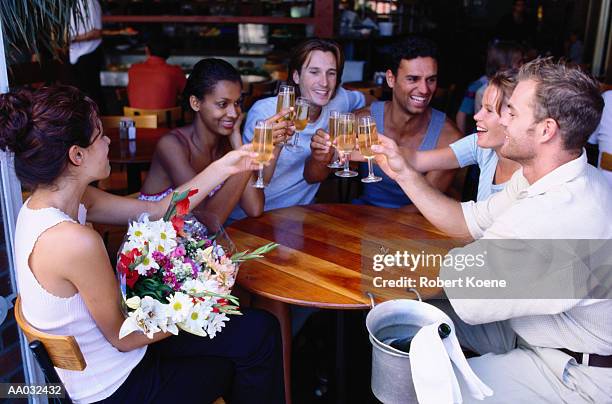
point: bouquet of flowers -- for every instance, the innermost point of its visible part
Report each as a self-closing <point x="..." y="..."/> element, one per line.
<point x="174" y="274"/>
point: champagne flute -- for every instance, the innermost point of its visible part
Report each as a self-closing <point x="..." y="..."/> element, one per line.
<point x="367" y="136"/>
<point x="284" y="100"/>
<point x="333" y="127"/>
<point x="262" y="145"/>
<point x="300" y="120"/>
<point x="346" y="142"/>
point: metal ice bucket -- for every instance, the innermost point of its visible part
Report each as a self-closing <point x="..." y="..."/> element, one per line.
<point x="391" y="374"/>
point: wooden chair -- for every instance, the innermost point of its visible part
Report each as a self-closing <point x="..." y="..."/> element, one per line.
<point x="51" y="351"/>
<point x="117" y="180"/>
<point x="55" y="351"/>
<point x="141" y="121"/>
<point x="606" y="161"/>
<point x="605" y="87"/>
<point x="258" y="91"/>
<point x="169" y="117"/>
<point x="365" y="87"/>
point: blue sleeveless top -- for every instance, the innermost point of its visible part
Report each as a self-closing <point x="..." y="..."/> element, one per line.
<point x="387" y="193"/>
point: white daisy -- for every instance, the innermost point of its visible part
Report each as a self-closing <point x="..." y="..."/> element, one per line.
<point x="141" y="231"/>
<point x="179" y="305"/>
<point x="163" y="236"/>
<point x="196" y="319"/>
<point x="147" y="263"/>
<point x="193" y="287"/>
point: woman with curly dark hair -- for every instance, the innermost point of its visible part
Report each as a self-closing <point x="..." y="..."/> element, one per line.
<point x="66" y="281"/>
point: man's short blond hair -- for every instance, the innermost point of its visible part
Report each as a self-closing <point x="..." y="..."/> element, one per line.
<point x="566" y="94"/>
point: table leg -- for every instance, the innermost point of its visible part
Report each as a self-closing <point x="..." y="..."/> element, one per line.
<point x="134" y="182"/>
<point x="340" y="359"/>
<point x="283" y="314"/>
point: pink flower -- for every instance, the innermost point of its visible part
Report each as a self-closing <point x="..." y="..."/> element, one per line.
<point x="179" y="251"/>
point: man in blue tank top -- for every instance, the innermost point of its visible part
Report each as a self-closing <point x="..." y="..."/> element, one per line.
<point x="407" y="118"/>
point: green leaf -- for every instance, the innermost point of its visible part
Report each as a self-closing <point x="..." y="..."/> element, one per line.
<point x="33" y="25"/>
<point x="176" y="198"/>
<point x="257" y="253"/>
<point x="140" y="258"/>
<point x="153" y="287"/>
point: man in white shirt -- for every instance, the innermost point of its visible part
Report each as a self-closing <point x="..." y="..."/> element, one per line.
<point x="557" y="349"/>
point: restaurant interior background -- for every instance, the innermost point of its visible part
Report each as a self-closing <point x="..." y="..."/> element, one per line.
<point x="256" y="36"/>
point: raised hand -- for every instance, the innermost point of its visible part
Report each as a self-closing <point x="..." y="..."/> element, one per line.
<point x="321" y="147"/>
<point x="281" y="129"/>
<point x="389" y="158"/>
<point x="239" y="160"/>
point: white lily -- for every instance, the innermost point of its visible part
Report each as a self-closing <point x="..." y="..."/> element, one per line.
<point x="145" y="318"/>
<point x="133" y="302"/>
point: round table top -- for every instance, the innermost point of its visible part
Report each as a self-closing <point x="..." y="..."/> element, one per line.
<point x="319" y="260"/>
<point x="139" y="150"/>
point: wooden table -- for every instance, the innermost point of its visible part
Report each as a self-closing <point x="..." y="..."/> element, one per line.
<point x="134" y="153"/>
<point x="319" y="260"/>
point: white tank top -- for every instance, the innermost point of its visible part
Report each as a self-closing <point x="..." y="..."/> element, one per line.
<point x="107" y="368"/>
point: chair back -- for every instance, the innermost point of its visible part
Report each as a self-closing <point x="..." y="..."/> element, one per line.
<point x="605" y="87"/>
<point x="169" y="117"/>
<point x="141" y="121"/>
<point x="258" y="91"/>
<point x="365" y="87"/>
<point x="63" y="350"/>
<point x="606" y="161"/>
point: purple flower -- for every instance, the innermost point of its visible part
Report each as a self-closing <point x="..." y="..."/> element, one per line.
<point x="169" y="279"/>
<point x="161" y="259"/>
<point x="194" y="266"/>
<point x="158" y="256"/>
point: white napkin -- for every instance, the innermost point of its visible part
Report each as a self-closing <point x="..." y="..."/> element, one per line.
<point x="433" y="376"/>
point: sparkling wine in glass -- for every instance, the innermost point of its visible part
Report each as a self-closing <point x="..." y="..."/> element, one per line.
<point x="367" y="136"/>
<point x="300" y="120"/>
<point x="346" y="142"/>
<point x="284" y="100"/>
<point x="263" y="146"/>
<point x="333" y="126"/>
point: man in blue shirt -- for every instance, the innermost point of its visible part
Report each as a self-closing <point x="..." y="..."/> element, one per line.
<point x="407" y="118"/>
<point x="315" y="69"/>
